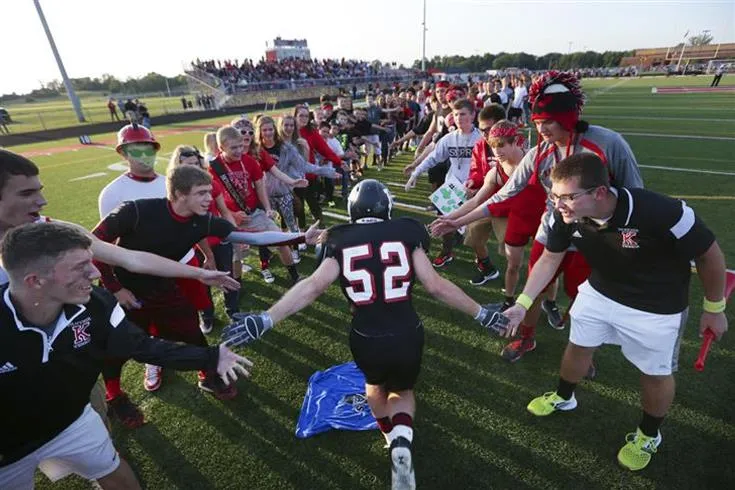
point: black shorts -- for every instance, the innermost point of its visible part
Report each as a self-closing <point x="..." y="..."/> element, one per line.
<point x="438" y="173"/>
<point x="391" y="361"/>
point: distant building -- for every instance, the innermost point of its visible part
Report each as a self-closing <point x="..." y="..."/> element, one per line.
<point x="287" y="48"/>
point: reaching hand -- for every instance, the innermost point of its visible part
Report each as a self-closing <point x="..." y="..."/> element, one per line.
<point x="220" y="279"/>
<point x="408" y="169"/>
<point x="230" y="364"/>
<point x="301" y="183"/>
<point x="717" y="322"/>
<point x="313" y="234"/>
<point x="411" y="183"/>
<point x="127" y="299"/>
<point x="442" y="226"/>
<point x="246" y="328"/>
<point x="272" y="213"/>
<point x="241" y="218"/>
<point x="492" y="319"/>
<point x="515" y="315"/>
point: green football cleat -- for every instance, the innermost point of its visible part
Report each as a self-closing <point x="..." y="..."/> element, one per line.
<point x="549" y="403"/>
<point x="638" y="450"/>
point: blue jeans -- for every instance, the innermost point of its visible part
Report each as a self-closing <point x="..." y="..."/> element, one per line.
<point x="223" y="259"/>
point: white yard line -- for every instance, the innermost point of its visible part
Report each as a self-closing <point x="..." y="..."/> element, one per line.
<point x="90" y="176"/>
<point x="651" y="118"/>
<point x="676" y="136"/>
<point x="336" y="216"/>
<point x="689" y="170"/>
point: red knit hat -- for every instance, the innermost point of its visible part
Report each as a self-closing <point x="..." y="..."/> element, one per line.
<point x="442" y="84"/>
<point x="557" y="96"/>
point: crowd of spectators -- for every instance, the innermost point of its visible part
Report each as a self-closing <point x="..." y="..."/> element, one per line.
<point x="287" y="73"/>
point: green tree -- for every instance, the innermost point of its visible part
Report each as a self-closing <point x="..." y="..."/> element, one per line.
<point x="701" y="39"/>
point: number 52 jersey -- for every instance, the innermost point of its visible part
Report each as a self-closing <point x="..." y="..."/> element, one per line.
<point x="377" y="272"/>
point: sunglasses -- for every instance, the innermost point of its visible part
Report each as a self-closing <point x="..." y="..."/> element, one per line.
<point x="249" y="132"/>
<point x="137" y="153"/>
<point x="187" y="154"/>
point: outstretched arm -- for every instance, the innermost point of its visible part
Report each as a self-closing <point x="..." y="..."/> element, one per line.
<point x="305" y="292"/>
<point x="249" y="327"/>
<point x="441" y="288"/>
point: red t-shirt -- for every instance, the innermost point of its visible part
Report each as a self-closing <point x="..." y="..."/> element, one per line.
<point x="266" y="161"/>
<point x="243" y="174"/>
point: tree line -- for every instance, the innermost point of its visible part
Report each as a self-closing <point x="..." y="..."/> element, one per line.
<point x="108" y="84"/>
<point x="502" y="60"/>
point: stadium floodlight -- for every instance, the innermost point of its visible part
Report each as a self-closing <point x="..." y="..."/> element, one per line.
<point x="67" y="83"/>
<point x="423" y="35"/>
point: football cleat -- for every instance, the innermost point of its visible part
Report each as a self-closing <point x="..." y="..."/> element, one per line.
<point x="402" y="474"/>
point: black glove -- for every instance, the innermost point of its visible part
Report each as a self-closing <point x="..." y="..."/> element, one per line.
<point x="491" y="318"/>
<point x="246" y="328"/>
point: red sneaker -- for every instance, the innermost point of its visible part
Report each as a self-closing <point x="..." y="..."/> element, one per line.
<point x="516" y="349"/>
<point x="214" y="385"/>
<point x="442" y="260"/>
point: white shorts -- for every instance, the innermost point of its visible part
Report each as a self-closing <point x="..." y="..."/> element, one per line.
<point x="84" y="448"/>
<point x="374" y="141"/>
<point x="650" y="341"/>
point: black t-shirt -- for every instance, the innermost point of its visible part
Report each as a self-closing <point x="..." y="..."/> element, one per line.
<point x="274" y="151"/>
<point x="641" y="256"/>
<point x="363" y="127"/>
<point x="423" y="125"/>
<point x="377" y="274"/>
<point x="150" y="225"/>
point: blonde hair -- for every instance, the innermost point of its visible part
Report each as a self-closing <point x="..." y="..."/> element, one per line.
<point x="175" y="159"/>
<point x="210" y="142"/>
<point x="227" y="133"/>
<point x="182" y="178"/>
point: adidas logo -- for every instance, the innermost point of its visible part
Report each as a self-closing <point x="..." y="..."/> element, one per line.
<point x="7" y="368"/>
<point x="576" y="234"/>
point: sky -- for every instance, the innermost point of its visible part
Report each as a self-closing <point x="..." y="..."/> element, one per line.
<point x="134" y="37"/>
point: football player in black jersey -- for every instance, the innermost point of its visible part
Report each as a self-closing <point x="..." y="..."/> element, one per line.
<point x="377" y="261"/>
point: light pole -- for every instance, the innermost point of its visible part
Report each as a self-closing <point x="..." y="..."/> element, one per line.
<point x="683" y="45"/>
<point x="67" y="83"/>
<point x="423" y="42"/>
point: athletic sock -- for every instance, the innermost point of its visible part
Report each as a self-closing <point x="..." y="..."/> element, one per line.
<point x="384" y="424"/>
<point x="402" y="427"/>
<point x="292" y="271"/>
<point x="112" y="389"/>
<point x="650" y="424"/>
<point x="565" y="389"/>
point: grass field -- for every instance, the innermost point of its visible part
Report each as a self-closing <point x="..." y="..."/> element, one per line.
<point x="58" y="112"/>
<point x="472" y="429"/>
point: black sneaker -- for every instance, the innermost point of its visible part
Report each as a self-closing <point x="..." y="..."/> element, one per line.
<point x="483" y="276"/>
<point x="553" y="315"/>
<point x="125" y="411"/>
<point x="401" y="459"/>
<point x="507" y="304"/>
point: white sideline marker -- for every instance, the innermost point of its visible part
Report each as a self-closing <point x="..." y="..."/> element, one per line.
<point x="690" y="170"/>
<point x="90" y="176"/>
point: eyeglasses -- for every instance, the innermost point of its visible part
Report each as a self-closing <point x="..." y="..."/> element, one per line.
<point x="564" y="198"/>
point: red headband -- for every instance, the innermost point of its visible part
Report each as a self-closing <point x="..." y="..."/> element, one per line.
<point x="503" y="132"/>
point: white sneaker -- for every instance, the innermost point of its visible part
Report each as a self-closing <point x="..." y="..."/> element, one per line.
<point x="246" y="267"/>
<point x="267" y="276"/>
<point x="295" y="256"/>
<point x="302" y="247"/>
<point x="152" y="378"/>
<point x="402" y="475"/>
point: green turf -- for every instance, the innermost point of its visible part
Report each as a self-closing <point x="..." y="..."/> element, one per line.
<point x="58" y="112"/>
<point x="472" y="429"/>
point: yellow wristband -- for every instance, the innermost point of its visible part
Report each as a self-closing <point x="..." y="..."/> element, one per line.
<point x="713" y="306"/>
<point x="524" y="300"/>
